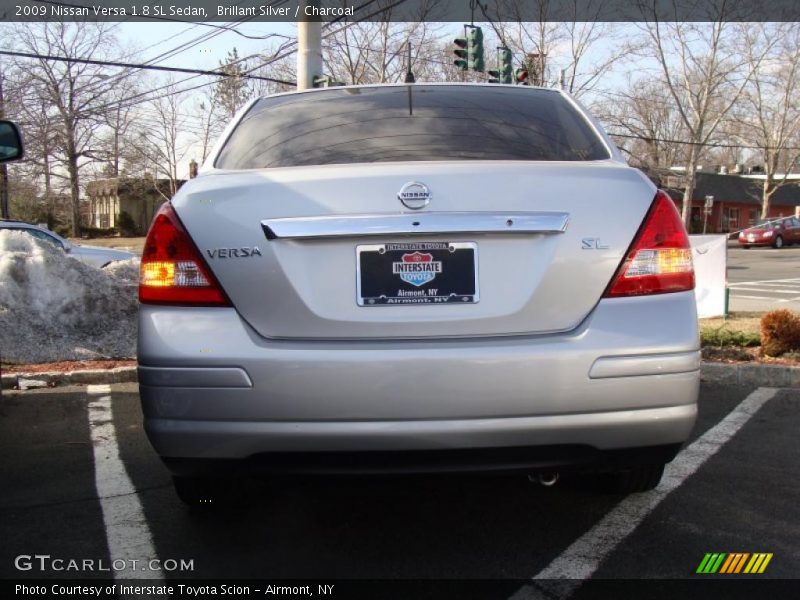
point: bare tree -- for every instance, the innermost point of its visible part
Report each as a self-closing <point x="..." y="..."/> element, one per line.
<point x="211" y="123"/>
<point x="705" y="71"/>
<point x="649" y="124"/>
<point x="232" y="92"/>
<point x="557" y="52"/>
<point x="771" y="119"/>
<point x="377" y="51"/>
<point x="159" y="144"/>
<point x="70" y="91"/>
<point x="118" y="121"/>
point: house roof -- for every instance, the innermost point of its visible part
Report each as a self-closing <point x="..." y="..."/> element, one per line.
<point x="726" y="188"/>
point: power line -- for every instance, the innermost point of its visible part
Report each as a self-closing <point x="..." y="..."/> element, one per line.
<point x="705" y="144"/>
<point x="171" y="20"/>
<point x="277" y="56"/>
<point x="139" y="66"/>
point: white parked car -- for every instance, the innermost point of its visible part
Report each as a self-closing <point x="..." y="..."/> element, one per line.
<point x="95" y="256"/>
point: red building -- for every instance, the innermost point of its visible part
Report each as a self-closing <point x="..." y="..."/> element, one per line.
<point x="737" y="200"/>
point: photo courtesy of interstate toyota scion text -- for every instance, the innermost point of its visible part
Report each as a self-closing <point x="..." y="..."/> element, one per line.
<point x="417" y="278"/>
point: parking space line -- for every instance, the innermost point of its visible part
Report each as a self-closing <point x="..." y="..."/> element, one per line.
<point x="564" y="575"/>
<point x="796" y="280"/>
<point x="127" y="532"/>
<point x="758" y="297"/>
<point x="770" y="290"/>
<point x="770" y="284"/>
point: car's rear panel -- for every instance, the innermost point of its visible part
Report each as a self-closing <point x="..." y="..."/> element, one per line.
<point x="300" y="362"/>
<point x="527" y="283"/>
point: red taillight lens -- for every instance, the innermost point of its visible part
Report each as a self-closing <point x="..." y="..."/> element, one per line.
<point x="173" y="270"/>
<point x="660" y="259"/>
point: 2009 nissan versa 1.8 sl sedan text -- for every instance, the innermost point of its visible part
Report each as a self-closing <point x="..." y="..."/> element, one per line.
<point x="417" y="278"/>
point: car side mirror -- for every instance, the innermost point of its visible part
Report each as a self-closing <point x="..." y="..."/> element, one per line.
<point x="67" y="247"/>
<point x="10" y="142"/>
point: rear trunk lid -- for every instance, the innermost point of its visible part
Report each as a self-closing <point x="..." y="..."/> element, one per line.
<point x="546" y="275"/>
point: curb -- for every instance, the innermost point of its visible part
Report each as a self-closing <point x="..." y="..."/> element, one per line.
<point x="731" y="374"/>
<point x="12" y="381"/>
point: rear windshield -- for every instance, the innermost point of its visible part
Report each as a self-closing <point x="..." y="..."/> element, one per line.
<point x="410" y="123"/>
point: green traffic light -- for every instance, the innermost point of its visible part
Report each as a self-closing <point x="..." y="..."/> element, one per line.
<point x="475" y="48"/>
<point x="505" y="59"/>
<point x="461" y="53"/>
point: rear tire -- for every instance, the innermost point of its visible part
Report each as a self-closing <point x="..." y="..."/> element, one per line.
<point x="636" y="479"/>
<point x="207" y="492"/>
<point x="778" y="243"/>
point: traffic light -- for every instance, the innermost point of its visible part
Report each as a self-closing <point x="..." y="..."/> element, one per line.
<point x="469" y="50"/>
<point x="324" y="81"/>
<point x="504" y="66"/>
<point x="475" y="48"/>
<point x="461" y="53"/>
<point x="521" y="76"/>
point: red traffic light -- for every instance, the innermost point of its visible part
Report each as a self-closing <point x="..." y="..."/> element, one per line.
<point x="521" y="75"/>
<point x="460" y="42"/>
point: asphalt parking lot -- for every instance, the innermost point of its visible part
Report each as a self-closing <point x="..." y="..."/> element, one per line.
<point x="81" y="482"/>
<point x="764" y="278"/>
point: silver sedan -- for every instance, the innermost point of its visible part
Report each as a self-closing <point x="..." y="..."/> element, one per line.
<point x="417" y="278"/>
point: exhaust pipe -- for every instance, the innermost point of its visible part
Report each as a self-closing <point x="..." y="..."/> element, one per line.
<point x="546" y="478"/>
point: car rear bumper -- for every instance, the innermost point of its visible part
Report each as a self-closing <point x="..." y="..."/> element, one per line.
<point x="528" y="459"/>
<point x="627" y="378"/>
<point x="625" y="437"/>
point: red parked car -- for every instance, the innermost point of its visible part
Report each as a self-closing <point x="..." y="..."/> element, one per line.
<point x="776" y="233"/>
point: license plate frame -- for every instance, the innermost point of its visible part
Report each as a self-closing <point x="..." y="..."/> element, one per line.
<point x="454" y="280"/>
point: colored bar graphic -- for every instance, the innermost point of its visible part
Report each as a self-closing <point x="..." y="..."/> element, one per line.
<point x="717" y="564"/>
<point x="765" y="563"/>
<point x="741" y="562"/>
<point x="711" y="562"/>
<point x="728" y="564"/>
<point x="704" y="564"/>
<point x="733" y="563"/>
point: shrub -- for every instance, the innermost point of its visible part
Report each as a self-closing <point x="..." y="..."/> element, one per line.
<point x="127" y="225"/>
<point x="97" y="232"/>
<point x="722" y="337"/>
<point x="780" y="332"/>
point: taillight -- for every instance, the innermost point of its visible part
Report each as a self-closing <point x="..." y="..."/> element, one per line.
<point x="173" y="270"/>
<point x="660" y="259"/>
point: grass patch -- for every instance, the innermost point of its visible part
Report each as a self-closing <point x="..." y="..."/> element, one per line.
<point x="739" y="329"/>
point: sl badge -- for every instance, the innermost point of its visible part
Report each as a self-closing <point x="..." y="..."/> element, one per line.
<point x="417" y="268"/>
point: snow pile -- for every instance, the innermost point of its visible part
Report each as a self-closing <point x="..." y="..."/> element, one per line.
<point x="124" y="271"/>
<point x="53" y="307"/>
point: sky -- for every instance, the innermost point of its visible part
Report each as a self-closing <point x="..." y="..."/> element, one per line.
<point x="160" y="37"/>
<point x="153" y="39"/>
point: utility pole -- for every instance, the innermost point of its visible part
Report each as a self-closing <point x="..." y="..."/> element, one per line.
<point x="3" y="168"/>
<point x="409" y="72"/>
<point x="309" y="48"/>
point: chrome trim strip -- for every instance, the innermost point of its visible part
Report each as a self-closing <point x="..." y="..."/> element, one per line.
<point x="195" y="377"/>
<point x="645" y="364"/>
<point x="412" y="224"/>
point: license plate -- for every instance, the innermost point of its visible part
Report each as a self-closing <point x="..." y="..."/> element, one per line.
<point x="417" y="273"/>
